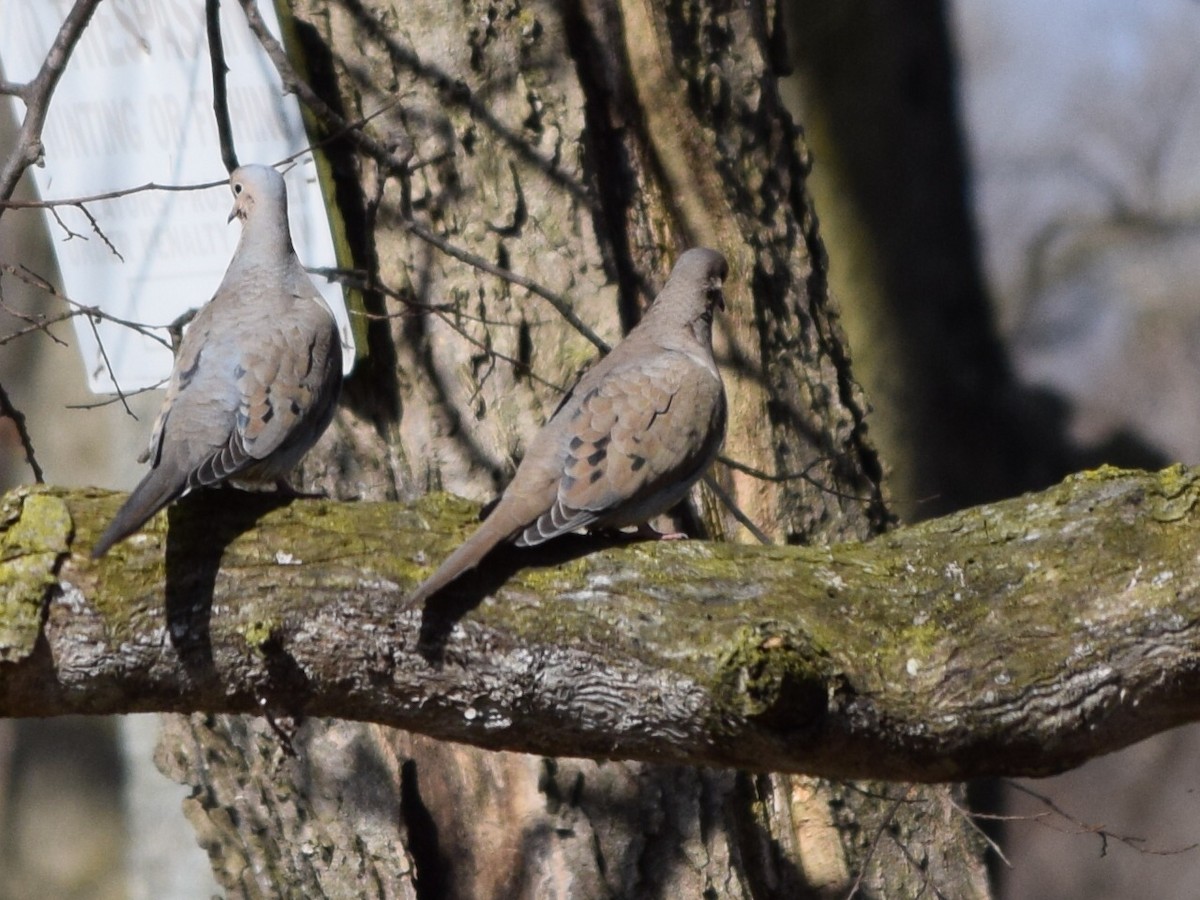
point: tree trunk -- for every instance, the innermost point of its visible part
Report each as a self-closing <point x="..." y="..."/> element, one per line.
<point x="875" y="82"/>
<point x="582" y="145"/>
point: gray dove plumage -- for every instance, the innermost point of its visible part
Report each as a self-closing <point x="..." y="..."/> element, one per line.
<point x="630" y="439"/>
<point x="258" y="372"/>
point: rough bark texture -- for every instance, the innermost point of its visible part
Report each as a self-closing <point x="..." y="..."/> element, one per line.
<point x="583" y="145"/>
<point x="1017" y="638"/>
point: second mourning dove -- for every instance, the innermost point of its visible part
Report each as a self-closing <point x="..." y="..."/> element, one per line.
<point x="630" y="439"/>
<point x="258" y="373"/>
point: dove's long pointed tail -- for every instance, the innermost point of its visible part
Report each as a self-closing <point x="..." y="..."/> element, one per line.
<point x="495" y="529"/>
<point x="154" y="492"/>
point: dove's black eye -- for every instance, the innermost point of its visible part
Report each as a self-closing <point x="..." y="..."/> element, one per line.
<point x="237" y="188"/>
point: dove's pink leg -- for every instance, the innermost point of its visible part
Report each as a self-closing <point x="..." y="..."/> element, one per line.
<point x="645" y="531"/>
<point x="284" y="488"/>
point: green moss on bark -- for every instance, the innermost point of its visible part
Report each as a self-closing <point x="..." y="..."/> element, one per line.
<point x="35" y="534"/>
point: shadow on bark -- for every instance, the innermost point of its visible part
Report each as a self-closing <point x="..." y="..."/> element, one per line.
<point x="199" y="528"/>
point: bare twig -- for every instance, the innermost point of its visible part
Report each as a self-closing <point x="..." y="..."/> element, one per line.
<point x="37" y="281"/>
<point x="109" y="401"/>
<point x="495" y="354"/>
<point x="472" y="259"/>
<point x="866" y="863"/>
<point x="216" y="54"/>
<point x="293" y="83"/>
<point x="729" y="503"/>
<point x="91" y="320"/>
<point x="37" y="94"/>
<point x="399" y="165"/>
<point x="1078" y="826"/>
<point x="787" y="476"/>
<point x="109" y="195"/>
<point x="920" y="867"/>
<point x="8" y="411"/>
<point x="350" y="127"/>
<point x="118" y="193"/>
<point x="99" y="232"/>
<point x="972" y="818"/>
<point x="364" y="281"/>
<point x="71" y="233"/>
<point x="38" y="323"/>
<point x="42" y="325"/>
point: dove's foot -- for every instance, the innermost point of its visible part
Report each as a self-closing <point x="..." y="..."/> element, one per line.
<point x="645" y="532"/>
<point x="284" y="489"/>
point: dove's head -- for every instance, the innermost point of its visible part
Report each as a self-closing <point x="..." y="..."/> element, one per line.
<point x="706" y="270"/>
<point x="257" y="188"/>
<point x="694" y="288"/>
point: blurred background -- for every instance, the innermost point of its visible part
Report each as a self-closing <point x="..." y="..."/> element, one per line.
<point x="1010" y="197"/>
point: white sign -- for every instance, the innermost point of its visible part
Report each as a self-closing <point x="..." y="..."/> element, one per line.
<point x="135" y="106"/>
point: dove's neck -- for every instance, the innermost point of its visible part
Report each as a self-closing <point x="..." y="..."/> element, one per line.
<point x="674" y="327"/>
<point x="265" y="245"/>
<point x="701" y="330"/>
<point x="679" y="321"/>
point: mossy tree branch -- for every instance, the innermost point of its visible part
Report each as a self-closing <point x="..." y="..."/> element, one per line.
<point x="1021" y="637"/>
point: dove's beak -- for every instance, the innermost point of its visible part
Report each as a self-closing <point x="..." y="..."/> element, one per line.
<point x="717" y="286"/>
<point x="232" y="214"/>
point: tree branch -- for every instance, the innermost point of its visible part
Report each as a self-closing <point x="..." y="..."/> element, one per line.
<point x="14" y="415"/>
<point x="37" y="94"/>
<point x="293" y="83"/>
<point x="216" y="58"/>
<point x="1021" y="637"/>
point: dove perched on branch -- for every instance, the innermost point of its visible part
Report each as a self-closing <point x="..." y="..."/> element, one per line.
<point x="258" y="373"/>
<point x="632" y="437"/>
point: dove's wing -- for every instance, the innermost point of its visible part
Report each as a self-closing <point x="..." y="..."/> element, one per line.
<point x="634" y="444"/>
<point x="258" y="373"/>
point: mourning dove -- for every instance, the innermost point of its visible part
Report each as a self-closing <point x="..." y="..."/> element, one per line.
<point x="258" y="372"/>
<point x="631" y="438"/>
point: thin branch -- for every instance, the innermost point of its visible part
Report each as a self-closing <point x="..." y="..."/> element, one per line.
<point x="99" y="232"/>
<point x="71" y="234"/>
<point x="216" y="54"/>
<point x="293" y="83"/>
<point x="496" y="354"/>
<point x="34" y="280"/>
<point x="1078" y="826"/>
<point x="349" y="128"/>
<point x="918" y="865"/>
<point x="155" y="186"/>
<point x="972" y="818"/>
<point x="109" y="401"/>
<point x="787" y="476"/>
<point x="888" y="817"/>
<point x="729" y="503"/>
<point x="92" y="315"/>
<point x="37" y="95"/>
<point x="91" y="320"/>
<point x="109" y="195"/>
<point x="400" y="165"/>
<point x="476" y="261"/>
<point x="362" y="280"/>
<point x="39" y="323"/>
<point x="8" y="411"/>
<point x="560" y="303"/>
